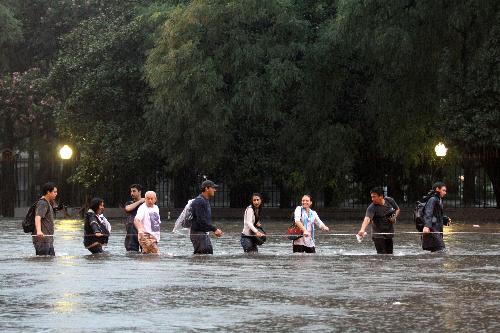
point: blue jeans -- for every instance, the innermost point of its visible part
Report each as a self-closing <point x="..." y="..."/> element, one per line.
<point x="44" y="246"/>
<point x="201" y="243"/>
<point x="248" y="244"/>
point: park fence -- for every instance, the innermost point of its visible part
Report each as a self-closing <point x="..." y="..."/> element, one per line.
<point x="21" y="180"/>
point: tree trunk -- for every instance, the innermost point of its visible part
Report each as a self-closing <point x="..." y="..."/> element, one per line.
<point x="468" y="182"/>
<point x="285" y="196"/>
<point x="491" y="164"/>
<point x="8" y="184"/>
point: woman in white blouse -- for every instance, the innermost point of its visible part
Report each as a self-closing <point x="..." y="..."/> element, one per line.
<point x="251" y="221"/>
<point x="306" y="219"/>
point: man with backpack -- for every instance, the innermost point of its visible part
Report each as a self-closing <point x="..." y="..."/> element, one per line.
<point x="383" y="211"/>
<point x="434" y="219"/>
<point x="43" y="234"/>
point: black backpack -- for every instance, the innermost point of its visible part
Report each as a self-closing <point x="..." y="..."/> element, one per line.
<point x="418" y="212"/>
<point x="29" y="220"/>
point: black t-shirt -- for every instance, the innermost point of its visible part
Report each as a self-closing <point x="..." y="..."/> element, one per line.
<point x="378" y="215"/>
<point x="131" y="215"/>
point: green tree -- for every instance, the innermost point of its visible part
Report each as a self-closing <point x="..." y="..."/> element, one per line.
<point x="98" y="77"/>
<point x="10" y="32"/>
<point x="25" y="114"/>
<point x="469" y="87"/>
<point x="225" y="75"/>
<point x="422" y="59"/>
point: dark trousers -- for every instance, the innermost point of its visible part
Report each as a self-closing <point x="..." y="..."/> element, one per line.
<point x="131" y="239"/>
<point x="383" y="245"/>
<point x="433" y="242"/>
<point x="248" y="244"/>
<point x="44" y="246"/>
<point x="96" y="249"/>
<point x="302" y="248"/>
<point x="201" y="243"/>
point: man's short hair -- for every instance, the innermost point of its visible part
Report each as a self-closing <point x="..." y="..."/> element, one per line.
<point x="136" y="186"/>
<point x="438" y="184"/>
<point x="378" y="191"/>
<point x="48" y="187"/>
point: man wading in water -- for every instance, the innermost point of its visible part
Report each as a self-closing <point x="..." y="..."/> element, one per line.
<point x="202" y="220"/>
<point x="432" y="237"/>
<point x="44" y="221"/>
<point x="383" y="212"/>
<point x="131" y="240"/>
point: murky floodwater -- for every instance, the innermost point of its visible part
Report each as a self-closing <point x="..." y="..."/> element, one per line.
<point x="345" y="287"/>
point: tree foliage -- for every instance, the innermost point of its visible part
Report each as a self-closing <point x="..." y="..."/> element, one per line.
<point x="99" y="79"/>
<point x="312" y="94"/>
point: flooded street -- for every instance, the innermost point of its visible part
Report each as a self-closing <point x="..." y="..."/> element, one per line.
<point x="345" y="287"/>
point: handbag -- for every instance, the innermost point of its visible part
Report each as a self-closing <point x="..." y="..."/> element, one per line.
<point x="294" y="232"/>
<point x="260" y="240"/>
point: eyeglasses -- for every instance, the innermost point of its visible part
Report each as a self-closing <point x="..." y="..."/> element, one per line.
<point x="255" y="199"/>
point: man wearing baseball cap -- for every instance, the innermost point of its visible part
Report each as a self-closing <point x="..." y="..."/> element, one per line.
<point x="202" y="219"/>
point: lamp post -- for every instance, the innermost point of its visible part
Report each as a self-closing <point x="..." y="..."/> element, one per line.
<point x="65" y="153"/>
<point x="440" y="150"/>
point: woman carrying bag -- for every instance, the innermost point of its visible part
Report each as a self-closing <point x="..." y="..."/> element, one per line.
<point x="306" y="219"/>
<point x="253" y="234"/>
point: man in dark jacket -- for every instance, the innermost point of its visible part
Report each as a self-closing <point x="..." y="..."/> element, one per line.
<point x="434" y="219"/>
<point x="202" y="220"/>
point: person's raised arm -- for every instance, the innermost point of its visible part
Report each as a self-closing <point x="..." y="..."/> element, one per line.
<point x="134" y="205"/>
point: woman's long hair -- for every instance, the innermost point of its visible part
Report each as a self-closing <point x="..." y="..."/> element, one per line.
<point x="257" y="210"/>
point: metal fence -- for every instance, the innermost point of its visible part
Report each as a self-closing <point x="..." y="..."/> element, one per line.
<point x="353" y="194"/>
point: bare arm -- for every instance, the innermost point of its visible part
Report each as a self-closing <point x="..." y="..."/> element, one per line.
<point x="320" y="223"/>
<point x="38" y="226"/>
<point x="134" y="205"/>
<point x="138" y="226"/>
<point x="364" y="225"/>
<point x="300" y="225"/>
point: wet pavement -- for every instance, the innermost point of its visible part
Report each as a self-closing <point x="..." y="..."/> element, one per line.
<point x="345" y="287"/>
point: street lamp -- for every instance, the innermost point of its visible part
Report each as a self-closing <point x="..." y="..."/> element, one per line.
<point x="65" y="152"/>
<point x="440" y="150"/>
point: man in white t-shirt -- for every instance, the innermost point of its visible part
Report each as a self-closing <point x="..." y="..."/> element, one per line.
<point x="147" y="222"/>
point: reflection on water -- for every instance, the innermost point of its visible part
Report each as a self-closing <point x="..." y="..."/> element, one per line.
<point x="66" y="304"/>
<point x="345" y="287"/>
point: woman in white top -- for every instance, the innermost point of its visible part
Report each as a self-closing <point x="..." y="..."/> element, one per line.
<point x="251" y="221"/>
<point x="305" y="218"/>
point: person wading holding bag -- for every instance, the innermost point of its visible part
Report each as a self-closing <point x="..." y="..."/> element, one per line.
<point x="306" y="219"/>
<point x="96" y="231"/>
<point x="252" y="233"/>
